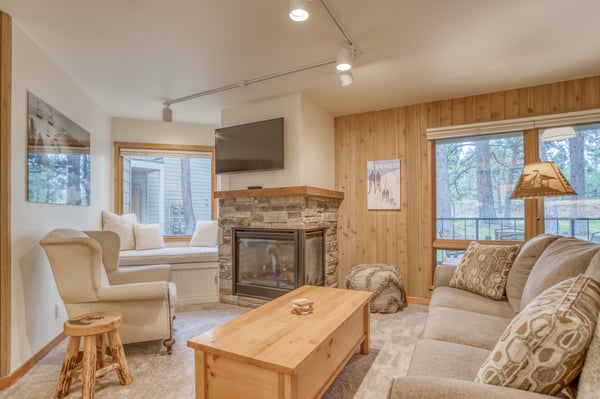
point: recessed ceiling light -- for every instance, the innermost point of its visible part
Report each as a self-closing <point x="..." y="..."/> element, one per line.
<point x="299" y="10"/>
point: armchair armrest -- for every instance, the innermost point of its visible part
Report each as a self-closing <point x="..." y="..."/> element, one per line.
<point x="422" y="387"/>
<point x="134" y="292"/>
<point x="138" y="274"/>
<point x="443" y="274"/>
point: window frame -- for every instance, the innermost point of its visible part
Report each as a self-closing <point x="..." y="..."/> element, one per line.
<point x="118" y="173"/>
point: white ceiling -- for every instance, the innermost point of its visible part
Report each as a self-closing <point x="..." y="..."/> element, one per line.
<point x="131" y="55"/>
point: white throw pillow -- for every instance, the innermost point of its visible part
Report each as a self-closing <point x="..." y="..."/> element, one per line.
<point x="205" y="234"/>
<point x="148" y="236"/>
<point x="122" y="225"/>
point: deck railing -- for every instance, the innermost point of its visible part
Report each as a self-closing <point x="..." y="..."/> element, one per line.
<point x="513" y="228"/>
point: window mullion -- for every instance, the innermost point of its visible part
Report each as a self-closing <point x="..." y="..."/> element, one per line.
<point x="533" y="207"/>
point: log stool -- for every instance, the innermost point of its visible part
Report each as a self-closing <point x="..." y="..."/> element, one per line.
<point x="92" y="327"/>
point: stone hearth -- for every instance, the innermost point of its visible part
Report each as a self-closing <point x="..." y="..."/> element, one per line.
<point x="300" y="207"/>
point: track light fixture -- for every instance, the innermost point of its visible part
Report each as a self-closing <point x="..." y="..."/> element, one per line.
<point x="344" y="59"/>
<point x="167" y="114"/>
<point x="299" y="10"/>
<point x="345" y="78"/>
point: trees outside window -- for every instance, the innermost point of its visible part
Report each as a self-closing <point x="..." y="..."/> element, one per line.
<point x="171" y="185"/>
<point x="474" y="179"/>
<point x="578" y="158"/>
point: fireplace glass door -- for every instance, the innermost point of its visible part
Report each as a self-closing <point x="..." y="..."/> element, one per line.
<point x="270" y="262"/>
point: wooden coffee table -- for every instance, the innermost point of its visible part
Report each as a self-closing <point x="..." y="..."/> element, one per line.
<point x="271" y="352"/>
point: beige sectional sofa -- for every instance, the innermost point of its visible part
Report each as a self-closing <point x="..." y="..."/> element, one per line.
<point x="463" y="328"/>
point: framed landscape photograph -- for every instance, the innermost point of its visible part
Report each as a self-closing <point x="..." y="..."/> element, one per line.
<point x="383" y="190"/>
<point x="58" y="159"/>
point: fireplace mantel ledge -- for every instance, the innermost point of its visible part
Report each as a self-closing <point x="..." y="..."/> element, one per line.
<point x="306" y="191"/>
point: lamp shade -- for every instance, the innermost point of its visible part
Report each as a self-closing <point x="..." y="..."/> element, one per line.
<point x="542" y="179"/>
<point x="167" y="114"/>
<point x="345" y="78"/>
<point x="344" y="59"/>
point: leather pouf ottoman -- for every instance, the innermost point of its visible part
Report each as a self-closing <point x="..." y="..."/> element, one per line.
<point x="384" y="281"/>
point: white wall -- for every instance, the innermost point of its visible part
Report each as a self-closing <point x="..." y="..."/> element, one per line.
<point x="308" y="143"/>
<point x="33" y="289"/>
<point x="317" y="161"/>
<point x="144" y="131"/>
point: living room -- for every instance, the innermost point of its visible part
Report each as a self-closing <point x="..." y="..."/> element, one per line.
<point x="388" y="123"/>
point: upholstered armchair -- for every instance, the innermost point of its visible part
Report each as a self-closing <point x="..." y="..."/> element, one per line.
<point x="110" y="243"/>
<point x="77" y="261"/>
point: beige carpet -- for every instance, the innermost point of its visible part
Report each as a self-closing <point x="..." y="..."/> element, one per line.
<point x="157" y="375"/>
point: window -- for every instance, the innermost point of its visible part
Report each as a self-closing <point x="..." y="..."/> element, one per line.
<point x="578" y="158"/>
<point x="474" y="179"/>
<point x="477" y="168"/>
<point x="167" y="185"/>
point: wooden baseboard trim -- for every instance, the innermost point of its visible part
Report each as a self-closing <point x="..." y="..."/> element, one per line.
<point x="13" y="377"/>
<point x="413" y="300"/>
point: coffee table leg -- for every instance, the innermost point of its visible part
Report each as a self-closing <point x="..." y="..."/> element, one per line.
<point x="364" y="346"/>
<point x="200" y="369"/>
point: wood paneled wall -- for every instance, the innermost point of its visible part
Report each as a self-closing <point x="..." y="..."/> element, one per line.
<point x="404" y="237"/>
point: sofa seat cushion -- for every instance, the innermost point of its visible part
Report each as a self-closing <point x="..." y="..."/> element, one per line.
<point x="459" y="299"/>
<point x="423" y="387"/>
<point x="446" y="360"/>
<point x="565" y="258"/>
<point x="521" y="268"/>
<point x="169" y="255"/>
<point x="464" y="327"/>
<point x="543" y="348"/>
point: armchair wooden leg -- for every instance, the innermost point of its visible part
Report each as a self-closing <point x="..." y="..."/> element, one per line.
<point x="168" y="343"/>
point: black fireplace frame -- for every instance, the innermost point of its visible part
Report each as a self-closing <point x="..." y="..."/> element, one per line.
<point x="298" y="236"/>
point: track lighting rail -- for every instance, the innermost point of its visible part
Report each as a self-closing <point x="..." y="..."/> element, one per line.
<point x="341" y="28"/>
<point x="345" y="76"/>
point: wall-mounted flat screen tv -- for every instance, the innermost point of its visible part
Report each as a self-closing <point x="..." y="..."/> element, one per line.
<point x="250" y="147"/>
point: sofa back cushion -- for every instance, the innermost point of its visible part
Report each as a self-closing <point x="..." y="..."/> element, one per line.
<point x="519" y="272"/>
<point x="593" y="269"/>
<point x="566" y="257"/>
<point x="543" y="348"/>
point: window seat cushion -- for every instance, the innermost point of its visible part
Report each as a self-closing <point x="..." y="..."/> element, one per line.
<point x="168" y="255"/>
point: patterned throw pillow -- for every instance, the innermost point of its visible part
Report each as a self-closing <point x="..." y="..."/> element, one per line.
<point x="484" y="269"/>
<point x="543" y="348"/>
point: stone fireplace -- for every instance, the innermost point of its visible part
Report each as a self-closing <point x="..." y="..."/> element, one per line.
<point x="282" y="215"/>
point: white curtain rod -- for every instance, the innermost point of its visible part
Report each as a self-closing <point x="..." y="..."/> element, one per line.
<point x="512" y="125"/>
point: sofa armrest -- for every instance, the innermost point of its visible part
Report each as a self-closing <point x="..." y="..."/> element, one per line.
<point x="138" y="274"/>
<point x="434" y="388"/>
<point x="134" y="292"/>
<point x="442" y="275"/>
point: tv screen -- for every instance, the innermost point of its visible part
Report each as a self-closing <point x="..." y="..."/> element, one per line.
<point x="249" y="147"/>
